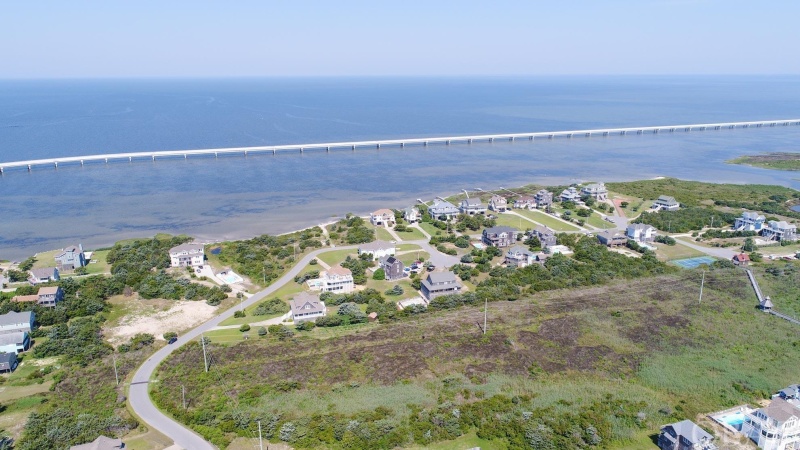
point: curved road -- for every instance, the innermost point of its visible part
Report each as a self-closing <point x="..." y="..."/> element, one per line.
<point x="138" y="393"/>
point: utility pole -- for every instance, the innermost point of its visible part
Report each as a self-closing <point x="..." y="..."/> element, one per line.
<point x="485" y="310"/>
<point x="260" y="442"/>
<point x="183" y="397"/>
<point x="712" y="222"/>
<point x="116" y="374"/>
<point x="702" y="282"/>
<point x="205" y="358"/>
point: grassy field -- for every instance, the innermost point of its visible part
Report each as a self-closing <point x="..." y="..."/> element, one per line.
<point x="382" y="234"/>
<point x="669" y="252"/>
<point x="596" y="221"/>
<point x="409" y="258"/>
<point x="547" y="220"/>
<point x="636" y="341"/>
<point x="101" y="266"/>
<point x="286" y="292"/>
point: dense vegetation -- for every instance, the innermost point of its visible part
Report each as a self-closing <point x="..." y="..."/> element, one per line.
<point x="773" y="160"/>
<point x="756" y="197"/>
<point x="686" y="219"/>
<point x="601" y="367"/>
<point x="141" y="265"/>
<point x="265" y="258"/>
<point x="352" y="230"/>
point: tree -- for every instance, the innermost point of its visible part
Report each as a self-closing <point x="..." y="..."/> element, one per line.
<point x="81" y="271"/>
<point x="395" y="290"/>
<point x="749" y="245"/>
<point x="262" y="331"/>
<point x="379" y="274"/>
<point x="244" y="327"/>
<point x="170" y="334"/>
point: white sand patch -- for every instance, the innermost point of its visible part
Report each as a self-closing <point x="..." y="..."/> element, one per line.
<point x="181" y="316"/>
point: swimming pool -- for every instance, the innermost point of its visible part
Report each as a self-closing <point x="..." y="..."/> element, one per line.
<point x="734" y="419"/>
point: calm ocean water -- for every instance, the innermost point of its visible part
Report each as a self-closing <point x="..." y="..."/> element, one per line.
<point x="236" y="197"/>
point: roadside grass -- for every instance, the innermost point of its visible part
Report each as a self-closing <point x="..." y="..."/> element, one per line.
<point x="383" y="285"/>
<point x="334" y="257"/>
<point x="407" y="247"/>
<point x="411" y="234"/>
<point x="469" y="440"/>
<point x="10" y="393"/>
<point x="547" y="220"/>
<point x="670" y="252"/>
<point x="101" y="266"/>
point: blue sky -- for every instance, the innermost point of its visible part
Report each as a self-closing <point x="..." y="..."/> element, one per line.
<point x="55" y="39"/>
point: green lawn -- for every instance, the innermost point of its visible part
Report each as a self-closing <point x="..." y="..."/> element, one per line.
<point x="409" y="258"/>
<point x="545" y="219"/>
<point x="596" y="221"/>
<point x="383" y="235"/>
<point x="45" y="259"/>
<point x="469" y="440"/>
<point x="334" y="257"/>
<point x="405" y="247"/>
<point x="516" y="222"/>
<point x="430" y="229"/>
<point x="412" y="234"/>
<point x="101" y="266"/>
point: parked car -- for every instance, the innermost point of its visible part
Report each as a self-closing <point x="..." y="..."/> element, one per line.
<point x="431" y="268"/>
<point x="172" y="340"/>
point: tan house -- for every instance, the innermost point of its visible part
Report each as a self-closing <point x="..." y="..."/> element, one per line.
<point x="498" y="203"/>
<point x="305" y="307"/>
<point x="338" y="280"/>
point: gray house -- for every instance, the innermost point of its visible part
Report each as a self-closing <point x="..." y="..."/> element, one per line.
<point x="612" y="238"/>
<point x="8" y="362"/>
<point x="472" y="206"/>
<point x="684" y="435"/>
<point x="306" y="307"/>
<point x="441" y="208"/>
<point x="71" y="258"/>
<point x="438" y="284"/>
<point x="12" y="321"/>
<point x="393" y="268"/>
<point x="544" y="198"/>
<point x="500" y="236"/>
<point x="43" y="275"/>
<point x="545" y="234"/>
<point x="666" y="203"/>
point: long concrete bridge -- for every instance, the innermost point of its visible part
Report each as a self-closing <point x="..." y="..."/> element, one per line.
<point x="274" y="149"/>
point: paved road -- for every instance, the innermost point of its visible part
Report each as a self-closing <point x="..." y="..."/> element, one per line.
<point x="718" y="252"/>
<point x="184" y="437"/>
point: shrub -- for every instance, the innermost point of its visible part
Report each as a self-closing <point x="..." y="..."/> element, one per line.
<point x="262" y="331"/>
<point x="379" y="274"/>
<point x="395" y="290"/>
<point x="305" y="326"/>
<point x="244" y="327"/>
<point x="239" y="314"/>
<point x="313" y="262"/>
<point x="170" y="334"/>
<point x="270" y="307"/>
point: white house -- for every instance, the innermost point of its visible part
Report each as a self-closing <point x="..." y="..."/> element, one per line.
<point x="776" y="427"/>
<point x="411" y="214"/>
<point x="382" y="218"/>
<point x="640" y="232"/>
<point x="780" y="231"/>
<point x="305" y="307"/>
<point x="187" y="255"/>
<point x="749" y="221"/>
<point x="378" y="249"/>
<point x="337" y="279"/>
<point x="525" y="202"/>
<point x="498" y="203"/>
<point x="666" y="203"/>
<point x="597" y="191"/>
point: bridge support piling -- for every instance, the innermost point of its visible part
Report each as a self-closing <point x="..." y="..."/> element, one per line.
<point x="511" y="139"/>
<point x="448" y="142"/>
<point x="425" y="144"/>
<point x="216" y="155"/>
<point x="531" y="137"/>
<point x="588" y="134"/>
<point x="106" y="160"/>
<point x="56" y="164"/>
<point x="29" y="167"/>
<point x="130" y="158"/>
<point x="327" y="149"/>
<point x="184" y="156"/>
<point x="81" y="163"/>
<point x="354" y="148"/>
